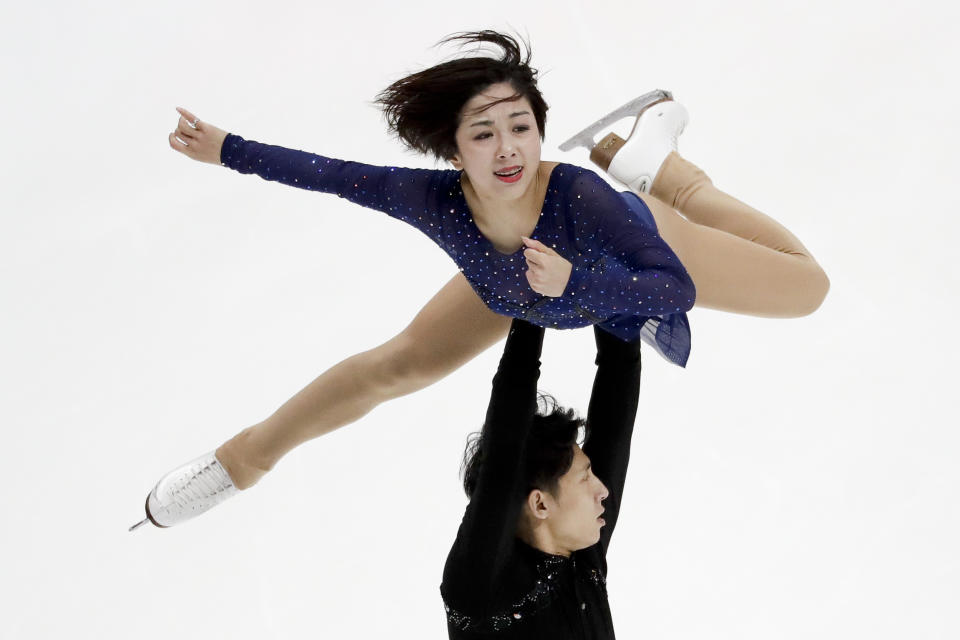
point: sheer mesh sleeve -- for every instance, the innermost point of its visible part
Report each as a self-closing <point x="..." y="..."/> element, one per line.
<point x="416" y="196"/>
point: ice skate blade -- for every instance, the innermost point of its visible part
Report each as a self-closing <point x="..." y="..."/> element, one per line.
<point x="139" y="524"/>
<point x="149" y="518"/>
<point x="633" y="108"/>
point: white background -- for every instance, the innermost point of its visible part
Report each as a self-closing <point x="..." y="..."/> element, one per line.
<point x="798" y="480"/>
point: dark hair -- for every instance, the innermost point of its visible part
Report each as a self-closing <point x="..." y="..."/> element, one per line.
<point x="548" y="453"/>
<point x="423" y="109"/>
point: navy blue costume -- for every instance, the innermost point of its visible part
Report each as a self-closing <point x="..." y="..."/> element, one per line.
<point x="625" y="278"/>
<point x="494" y="584"/>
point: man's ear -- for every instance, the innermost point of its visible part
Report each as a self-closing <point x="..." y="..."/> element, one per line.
<point x="537" y="504"/>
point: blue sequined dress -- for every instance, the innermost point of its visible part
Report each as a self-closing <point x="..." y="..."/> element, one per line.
<point x="625" y="278"/>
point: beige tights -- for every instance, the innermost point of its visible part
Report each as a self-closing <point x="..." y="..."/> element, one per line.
<point x="450" y="330"/>
<point x="740" y="260"/>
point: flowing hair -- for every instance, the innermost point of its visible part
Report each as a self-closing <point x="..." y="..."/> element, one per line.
<point x="423" y="109"/>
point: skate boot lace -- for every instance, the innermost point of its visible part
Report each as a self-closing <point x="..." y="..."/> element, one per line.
<point x="205" y="483"/>
<point x="675" y="137"/>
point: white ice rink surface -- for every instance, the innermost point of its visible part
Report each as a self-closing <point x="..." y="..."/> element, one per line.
<point x="798" y="480"/>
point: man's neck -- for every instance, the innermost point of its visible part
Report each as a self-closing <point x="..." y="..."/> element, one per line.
<point x="541" y="538"/>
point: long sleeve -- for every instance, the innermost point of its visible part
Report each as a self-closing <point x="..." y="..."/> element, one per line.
<point x="488" y="529"/>
<point x="635" y="272"/>
<point x="611" y="416"/>
<point x="416" y="196"/>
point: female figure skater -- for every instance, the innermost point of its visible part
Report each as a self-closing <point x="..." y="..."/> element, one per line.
<point x="548" y="242"/>
<point x="529" y="560"/>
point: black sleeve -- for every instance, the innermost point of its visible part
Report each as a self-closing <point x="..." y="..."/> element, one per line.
<point x="612" y="412"/>
<point x="488" y="529"/>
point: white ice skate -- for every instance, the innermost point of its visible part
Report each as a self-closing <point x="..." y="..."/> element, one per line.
<point x="636" y="160"/>
<point x="188" y="491"/>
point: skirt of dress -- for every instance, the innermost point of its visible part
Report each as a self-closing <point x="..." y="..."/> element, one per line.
<point x="668" y="334"/>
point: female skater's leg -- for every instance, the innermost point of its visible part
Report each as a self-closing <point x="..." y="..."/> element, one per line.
<point x="450" y="330"/>
<point x="740" y="259"/>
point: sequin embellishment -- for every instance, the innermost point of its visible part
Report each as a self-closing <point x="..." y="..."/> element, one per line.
<point x="536" y="600"/>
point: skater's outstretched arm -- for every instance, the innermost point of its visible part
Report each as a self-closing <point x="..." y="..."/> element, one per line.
<point x="611" y="416"/>
<point x="415" y="196"/>
<point x="618" y="253"/>
<point x="489" y="524"/>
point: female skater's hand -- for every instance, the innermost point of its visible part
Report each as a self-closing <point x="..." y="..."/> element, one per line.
<point x="201" y="141"/>
<point x="547" y="271"/>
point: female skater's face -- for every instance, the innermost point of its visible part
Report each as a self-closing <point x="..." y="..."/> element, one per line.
<point x="574" y="518"/>
<point x="498" y="148"/>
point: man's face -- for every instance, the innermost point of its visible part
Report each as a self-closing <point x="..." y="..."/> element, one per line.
<point x="575" y="511"/>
